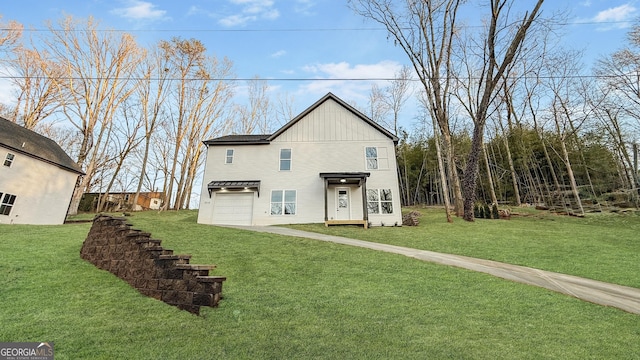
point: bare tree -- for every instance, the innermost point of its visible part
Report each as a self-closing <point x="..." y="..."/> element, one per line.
<point x="125" y="140"/>
<point x="501" y="44"/>
<point x="198" y="100"/>
<point x="397" y="94"/>
<point x="33" y="79"/>
<point x="10" y="34"/>
<point x="256" y="115"/>
<point x="425" y="30"/>
<point x="565" y="109"/>
<point x="97" y="79"/>
<point x="378" y="107"/>
<point x="152" y="93"/>
<point x="284" y="109"/>
<point x="619" y="78"/>
<point x="441" y="168"/>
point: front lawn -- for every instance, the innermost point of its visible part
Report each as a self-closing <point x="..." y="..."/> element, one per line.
<point x="292" y="298"/>
<point x="604" y="246"/>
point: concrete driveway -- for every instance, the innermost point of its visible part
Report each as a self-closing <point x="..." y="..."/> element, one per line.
<point x="598" y="292"/>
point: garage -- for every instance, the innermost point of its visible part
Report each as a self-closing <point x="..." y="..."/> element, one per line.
<point x="233" y="208"/>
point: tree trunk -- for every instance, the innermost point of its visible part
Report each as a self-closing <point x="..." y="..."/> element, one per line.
<point x="492" y="191"/>
<point x="443" y="177"/>
<point x="470" y="180"/>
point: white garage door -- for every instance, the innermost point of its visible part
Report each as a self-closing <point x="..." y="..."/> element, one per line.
<point x="233" y="208"/>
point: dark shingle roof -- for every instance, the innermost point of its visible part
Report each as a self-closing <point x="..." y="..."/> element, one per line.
<point x="239" y="140"/>
<point x="22" y="140"/>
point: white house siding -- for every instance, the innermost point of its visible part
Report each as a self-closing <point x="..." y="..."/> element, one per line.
<point x="329" y="139"/>
<point x="43" y="191"/>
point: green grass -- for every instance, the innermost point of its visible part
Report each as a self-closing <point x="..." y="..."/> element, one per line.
<point x="602" y="246"/>
<point x="291" y="298"/>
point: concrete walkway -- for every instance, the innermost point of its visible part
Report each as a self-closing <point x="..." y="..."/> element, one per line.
<point x="622" y="297"/>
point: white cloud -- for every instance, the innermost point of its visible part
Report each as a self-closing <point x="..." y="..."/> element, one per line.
<point x="343" y="70"/>
<point x="236" y="20"/>
<point x="251" y="10"/>
<point x="304" y="7"/>
<point x="139" y="10"/>
<point x="278" y="54"/>
<point x="350" y="81"/>
<point x="622" y="15"/>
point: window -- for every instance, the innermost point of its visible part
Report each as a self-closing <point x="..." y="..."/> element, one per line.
<point x="229" y="157"/>
<point x="9" y="159"/>
<point x="285" y="159"/>
<point x="6" y="203"/>
<point x="379" y="201"/>
<point x="376" y="158"/>
<point x="371" y="154"/>
<point x="283" y="202"/>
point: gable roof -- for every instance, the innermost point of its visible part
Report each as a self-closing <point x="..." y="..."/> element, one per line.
<point x="267" y="138"/>
<point x="353" y="110"/>
<point x="25" y="141"/>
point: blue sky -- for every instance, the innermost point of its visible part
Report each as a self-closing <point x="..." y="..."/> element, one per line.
<point x="304" y="39"/>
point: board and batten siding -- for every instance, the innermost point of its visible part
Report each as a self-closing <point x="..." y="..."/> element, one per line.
<point x="330" y="122"/>
<point x="328" y="139"/>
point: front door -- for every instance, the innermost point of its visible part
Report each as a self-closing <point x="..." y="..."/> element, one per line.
<point x="343" y="211"/>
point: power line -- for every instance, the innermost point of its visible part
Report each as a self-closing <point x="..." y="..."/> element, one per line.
<point x="541" y="77"/>
<point x="288" y="30"/>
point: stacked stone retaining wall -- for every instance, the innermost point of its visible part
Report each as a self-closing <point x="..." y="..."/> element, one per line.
<point x="154" y="271"/>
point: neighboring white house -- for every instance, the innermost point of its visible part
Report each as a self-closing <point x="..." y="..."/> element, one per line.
<point x="37" y="177"/>
<point x="329" y="164"/>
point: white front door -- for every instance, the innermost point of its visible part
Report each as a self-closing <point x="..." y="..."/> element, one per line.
<point x="343" y="201"/>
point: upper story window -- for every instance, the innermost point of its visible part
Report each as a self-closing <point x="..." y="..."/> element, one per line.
<point x="6" y="203"/>
<point x="371" y="154"/>
<point x="285" y="159"/>
<point x="376" y="158"/>
<point x="9" y="159"/>
<point x="229" y="157"/>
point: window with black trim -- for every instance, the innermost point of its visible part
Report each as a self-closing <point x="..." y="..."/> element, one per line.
<point x="9" y="159"/>
<point x="283" y="202"/>
<point x="376" y="158"/>
<point x="6" y="203"/>
<point x="285" y="159"/>
<point x="379" y="201"/>
<point x="228" y="159"/>
<point x="371" y="155"/>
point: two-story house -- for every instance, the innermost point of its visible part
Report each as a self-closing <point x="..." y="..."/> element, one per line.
<point x="329" y="164"/>
<point x="37" y="177"/>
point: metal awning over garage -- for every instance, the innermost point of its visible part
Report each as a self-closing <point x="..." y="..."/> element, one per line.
<point x="234" y="185"/>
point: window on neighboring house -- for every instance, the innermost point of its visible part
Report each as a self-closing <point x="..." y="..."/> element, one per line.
<point x="379" y="201"/>
<point x="285" y="159"/>
<point x="6" y="203"/>
<point x="283" y="202"/>
<point x="229" y="157"/>
<point x="9" y="159"/>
